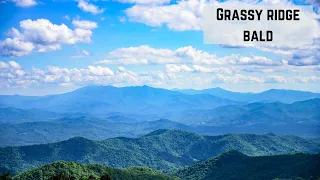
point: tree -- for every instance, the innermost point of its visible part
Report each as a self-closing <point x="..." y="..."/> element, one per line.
<point x="5" y="176"/>
<point x="105" y="177"/>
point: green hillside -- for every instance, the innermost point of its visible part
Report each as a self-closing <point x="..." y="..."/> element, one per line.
<point x="161" y="149"/>
<point x="90" y="171"/>
<point x="234" y="165"/>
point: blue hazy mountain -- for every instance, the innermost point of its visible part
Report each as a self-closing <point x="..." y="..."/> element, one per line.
<point x="302" y="112"/>
<point x="106" y="99"/>
<point x="299" y="118"/>
<point x="15" y="115"/>
<point x="29" y="133"/>
<point x="272" y="95"/>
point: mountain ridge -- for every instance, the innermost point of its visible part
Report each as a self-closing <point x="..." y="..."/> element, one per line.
<point x="161" y="150"/>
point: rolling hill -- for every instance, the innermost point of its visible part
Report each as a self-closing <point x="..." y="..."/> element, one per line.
<point x="161" y="149"/>
<point x="234" y="165"/>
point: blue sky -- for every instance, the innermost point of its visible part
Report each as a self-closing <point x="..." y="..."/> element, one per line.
<point x="57" y="46"/>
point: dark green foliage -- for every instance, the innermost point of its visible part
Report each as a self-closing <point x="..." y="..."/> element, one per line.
<point x="161" y="149"/>
<point x="234" y="165"/>
<point x="5" y="176"/>
<point x="62" y="170"/>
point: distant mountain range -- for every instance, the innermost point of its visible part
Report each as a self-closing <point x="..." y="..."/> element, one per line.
<point x="105" y="99"/>
<point x="161" y="149"/>
<point x="29" y="133"/>
<point x="272" y="95"/>
<point x="299" y="118"/>
<point x="97" y="100"/>
<point x="15" y="115"/>
<point x="235" y="165"/>
<point x="302" y="112"/>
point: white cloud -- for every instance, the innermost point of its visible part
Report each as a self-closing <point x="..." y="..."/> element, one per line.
<point x="41" y="35"/>
<point x="14" y="65"/>
<point x="13" y="75"/>
<point x="84" y="24"/>
<point x="259" y="60"/>
<point x="142" y="55"/>
<point x="173" y="68"/>
<point x="100" y="71"/>
<point x="185" y="15"/>
<point x="85" y="6"/>
<point x="24" y="3"/>
<point x="148" y="55"/>
<point x="221" y="70"/>
<point x="15" y="47"/>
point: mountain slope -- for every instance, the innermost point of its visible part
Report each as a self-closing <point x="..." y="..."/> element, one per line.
<point x="106" y="99"/>
<point x="30" y="133"/>
<point x="80" y="171"/>
<point x="300" y="118"/>
<point x="272" y="95"/>
<point x="235" y="165"/>
<point x="161" y="149"/>
<point x="14" y="115"/>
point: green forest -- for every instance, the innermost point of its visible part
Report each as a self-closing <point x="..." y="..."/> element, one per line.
<point x="232" y="165"/>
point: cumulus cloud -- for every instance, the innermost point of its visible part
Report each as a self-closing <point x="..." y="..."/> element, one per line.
<point x="185" y="15"/>
<point x="14" y="75"/>
<point x="85" y="6"/>
<point x="41" y="35"/>
<point x="148" y="55"/>
<point x="24" y="3"/>
<point x="15" y="47"/>
<point x="173" y="68"/>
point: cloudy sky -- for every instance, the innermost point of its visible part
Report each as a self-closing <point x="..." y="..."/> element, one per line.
<point x="55" y="46"/>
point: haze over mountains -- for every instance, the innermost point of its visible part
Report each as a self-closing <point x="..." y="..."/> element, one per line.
<point x="158" y="128"/>
<point x="100" y="112"/>
<point x="272" y="95"/>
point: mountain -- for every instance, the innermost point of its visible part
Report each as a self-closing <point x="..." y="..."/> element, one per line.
<point x="14" y="115"/>
<point x="299" y="118"/>
<point x="97" y="128"/>
<point x="161" y="149"/>
<point x="272" y="95"/>
<point x="235" y="165"/>
<point x="105" y="99"/>
<point x="71" y="170"/>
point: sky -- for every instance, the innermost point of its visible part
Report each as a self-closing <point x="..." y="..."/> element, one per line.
<point x="56" y="46"/>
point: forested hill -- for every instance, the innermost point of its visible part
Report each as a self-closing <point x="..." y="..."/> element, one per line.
<point x="70" y="170"/>
<point x="232" y="165"/>
<point x="235" y="165"/>
<point x="161" y="149"/>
